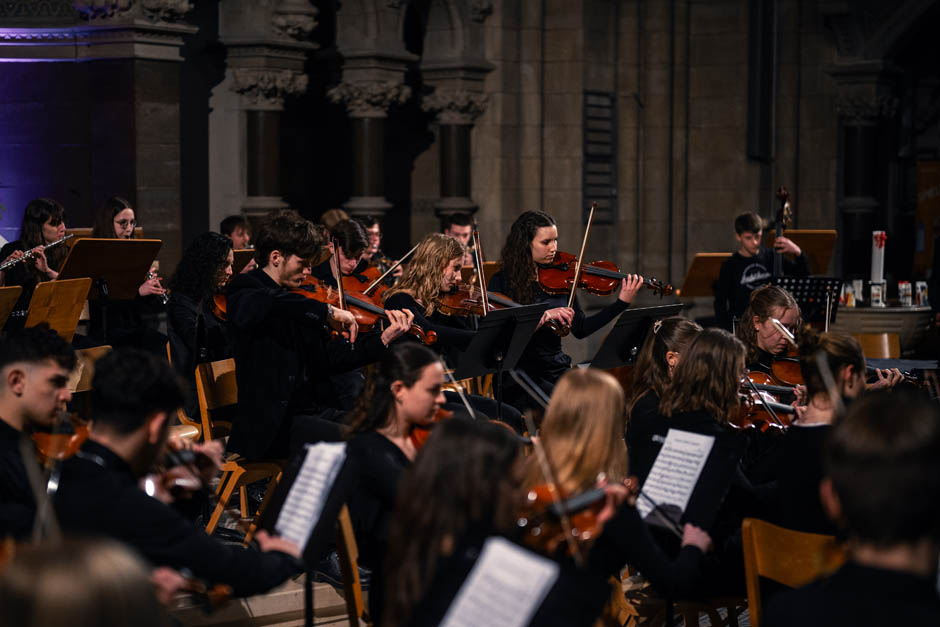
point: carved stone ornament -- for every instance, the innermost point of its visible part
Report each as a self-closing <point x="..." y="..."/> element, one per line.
<point x="266" y="89"/>
<point x="394" y="4"/>
<point x="866" y="109"/>
<point x="455" y="106"/>
<point x="369" y="98"/>
<point x="480" y="10"/>
<point x="153" y="10"/>
<point x="294" y="19"/>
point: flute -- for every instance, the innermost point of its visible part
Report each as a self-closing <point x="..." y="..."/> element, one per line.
<point x="29" y="253"/>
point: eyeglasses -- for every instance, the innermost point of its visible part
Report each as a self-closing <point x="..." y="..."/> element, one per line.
<point x="125" y="223"/>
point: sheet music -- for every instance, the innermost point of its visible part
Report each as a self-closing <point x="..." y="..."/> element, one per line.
<point x="504" y="589"/>
<point x="675" y="471"/>
<point x="308" y="493"/>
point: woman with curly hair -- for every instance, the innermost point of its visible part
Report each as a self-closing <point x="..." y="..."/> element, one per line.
<point x="196" y="334"/>
<point x="533" y="241"/>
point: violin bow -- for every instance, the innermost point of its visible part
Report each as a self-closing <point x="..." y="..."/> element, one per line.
<point x="826" y="373"/>
<point x="785" y="332"/>
<point x="401" y="260"/>
<point x="551" y="477"/>
<point x="338" y="275"/>
<point x="478" y="257"/>
<point x="580" y="264"/>
<point x="458" y="388"/>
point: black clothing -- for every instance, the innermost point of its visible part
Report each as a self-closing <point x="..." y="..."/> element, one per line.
<point x="23" y="274"/>
<point x="742" y="275"/>
<point x="196" y="336"/>
<point x="858" y="595"/>
<point x="324" y="272"/>
<point x="799" y="463"/>
<point x="17" y="506"/>
<point x="282" y="361"/>
<point x="763" y="363"/>
<point x="123" y="323"/>
<point x="98" y="495"/>
<point x="644" y="435"/>
<point x="453" y="333"/>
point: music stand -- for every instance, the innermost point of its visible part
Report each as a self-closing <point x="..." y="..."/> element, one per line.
<point x="8" y="297"/>
<point x="500" y="339"/>
<point x="117" y="267"/>
<point x="623" y="343"/>
<point x="323" y="533"/>
<point x="241" y="258"/>
<point x="60" y="304"/>
<point x="702" y="275"/>
<point x="810" y="294"/>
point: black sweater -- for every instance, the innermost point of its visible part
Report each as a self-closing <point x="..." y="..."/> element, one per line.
<point x="17" y="506"/>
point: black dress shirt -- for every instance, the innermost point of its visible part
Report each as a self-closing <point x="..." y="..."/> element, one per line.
<point x="17" y="506"/>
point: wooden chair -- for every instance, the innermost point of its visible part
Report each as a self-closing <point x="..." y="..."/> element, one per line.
<point x="880" y="345"/>
<point x="188" y="427"/>
<point x="789" y="557"/>
<point x="216" y="387"/>
<point x="348" y="553"/>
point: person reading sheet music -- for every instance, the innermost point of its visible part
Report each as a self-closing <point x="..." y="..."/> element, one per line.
<point x="283" y="357"/>
<point x="882" y="487"/>
<point x="34" y="369"/>
<point x="134" y="394"/>
<point x="658" y="358"/>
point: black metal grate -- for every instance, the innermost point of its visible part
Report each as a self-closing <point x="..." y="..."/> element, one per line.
<point x="599" y="173"/>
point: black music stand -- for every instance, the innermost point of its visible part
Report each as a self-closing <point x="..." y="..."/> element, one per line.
<point x="810" y="294"/>
<point x="117" y="267"/>
<point x="241" y="257"/>
<point x="323" y="532"/>
<point x="622" y="344"/>
<point x="498" y="344"/>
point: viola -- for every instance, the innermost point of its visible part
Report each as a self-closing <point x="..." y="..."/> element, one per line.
<point x="597" y="277"/>
<point x="364" y="308"/>
<point x="541" y="521"/>
<point x="420" y="434"/>
<point x="54" y="446"/>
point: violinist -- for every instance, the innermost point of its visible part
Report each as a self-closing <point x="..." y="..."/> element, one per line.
<point x="196" y="334"/>
<point x="238" y="230"/>
<point x="433" y="271"/>
<point x="348" y="242"/>
<point x="403" y="390"/>
<point x="134" y="394"/>
<point x="658" y="358"/>
<point x="751" y="266"/>
<point x="283" y="354"/>
<point x="373" y="255"/>
<point x="533" y="240"/>
<point x="35" y="364"/>
<point x="460" y="227"/>
<point x="43" y="223"/>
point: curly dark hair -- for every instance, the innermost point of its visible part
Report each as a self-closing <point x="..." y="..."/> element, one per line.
<point x="518" y="266"/>
<point x="197" y="273"/>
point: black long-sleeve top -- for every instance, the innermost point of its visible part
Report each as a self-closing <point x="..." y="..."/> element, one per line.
<point x="741" y="275"/>
<point x="453" y="333"/>
<point x="23" y="274"/>
<point x="644" y="435"/>
<point x="543" y="358"/>
<point x="98" y="495"/>
<point x="17" y="506"/>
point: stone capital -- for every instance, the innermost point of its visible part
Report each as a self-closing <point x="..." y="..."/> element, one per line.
<point x="265" y="89"/>
<point x="480" y="10"/>
<point x="865" y="91"/>
<point x="369" y="98"/>
<point x="294" y="19"/>
<point x="152" y="10"/>
<point x="861" y="109"/>
<point x="455" y="106"/>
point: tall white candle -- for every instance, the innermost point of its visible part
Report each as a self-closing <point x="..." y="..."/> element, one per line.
<point x="878" y="256"/>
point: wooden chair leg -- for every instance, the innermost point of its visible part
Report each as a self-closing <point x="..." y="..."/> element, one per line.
<point x="268" y="493"/>
<point x="227" y="488"/>
<point x="243" y="500"/>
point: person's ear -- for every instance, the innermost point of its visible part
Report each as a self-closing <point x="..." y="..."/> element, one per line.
<point x="16" y="380"/>
<point x="830" y="501"/>
<point x="155" y="427"/>
<point x="672" y="358"/>
<point x="275" y="258"/>
<point x="756" y="323"/>
<point x="398" y="388"/>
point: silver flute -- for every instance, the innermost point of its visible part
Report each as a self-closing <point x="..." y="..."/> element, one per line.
<point x="29" y="253"/>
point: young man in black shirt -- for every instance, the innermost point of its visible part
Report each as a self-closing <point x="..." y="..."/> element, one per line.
<point x="134" y="395"/>
<point x="34" y="372"/>
<point x="882" y="486"/>
<point x="752" y="266"/>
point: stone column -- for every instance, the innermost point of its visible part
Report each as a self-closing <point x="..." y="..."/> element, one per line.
<point x="455" y="111"/>
<point x="367" y="104"/>
<point x="263" y="92"/>
<point x="865" y="100"/>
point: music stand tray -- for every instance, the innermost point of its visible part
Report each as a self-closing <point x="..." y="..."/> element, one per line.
<point x="500" y="339"/>
<point x="623" y="343"/>
<point x="810" y="294"/>
<point x="60" y="304"/>
<point x="241" y="258"/>
<point x="702" y="275"/>
<point x="8" y="297"/>
<point x="118" y="266"/>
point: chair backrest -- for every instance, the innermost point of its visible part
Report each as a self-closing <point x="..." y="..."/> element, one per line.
<point x="185" y="420"/>
<point x="880" y="345"/>
<point x="792" y="558"/>
<point x="80" y="379"/>
<point x="215" y="387"/>
<point x="348" y="553"/>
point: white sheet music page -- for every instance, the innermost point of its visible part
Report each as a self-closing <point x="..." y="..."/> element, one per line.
<point x="308" y="494"/>
<point x="504" y="589"/>
<point x="675" y="471"/>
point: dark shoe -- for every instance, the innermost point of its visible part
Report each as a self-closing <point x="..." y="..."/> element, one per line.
<point x="329" y="571"/>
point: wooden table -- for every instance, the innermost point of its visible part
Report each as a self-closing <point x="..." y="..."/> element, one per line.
<point x="910" y="323"/>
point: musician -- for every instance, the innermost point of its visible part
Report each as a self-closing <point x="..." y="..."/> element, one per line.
<point x="882" y="487"/>
<point x="403" y="391"/>
<point x="282" y="355"/>
<point x="43" y="223"/>
<point x="433" y="271"/>
<point x="125" y="318"/>
<point x="460" y="227"/>
<point x="658" y="358"/>
<point x="348" y="242"/>
<point x="197" y="335"/>
<point x="752" y="266"/>
<point x="330" y="217"/>
<point x="373" y="254"/>
<point x="35" y="364"/>
<point x="134" y="394"/>
<point x="237" y="229"/>
<point x="533" y="240"/>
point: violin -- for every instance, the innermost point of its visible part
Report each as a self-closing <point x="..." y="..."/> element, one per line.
<point x="420" y="434"/>
<point x="541" y="521"/>
<point x="361" y="281"/>
<point x="218" y="306"/>
<point x="762" y="414"/>
<point x="57" y="445"/>
<point x="364" y="308"/>
<point x="597" y="277"/>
